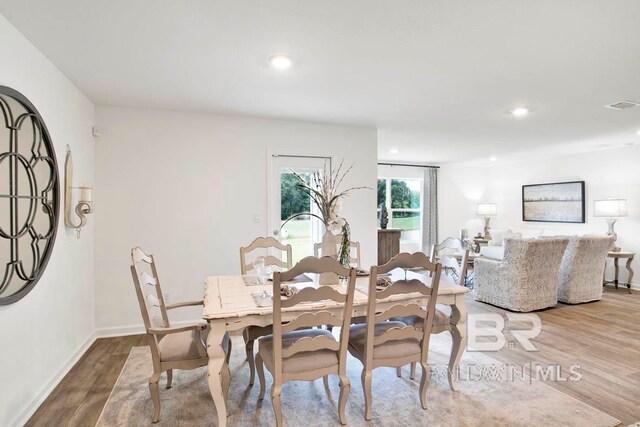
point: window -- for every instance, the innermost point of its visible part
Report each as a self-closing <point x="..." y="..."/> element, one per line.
<point x="403" y="199"/>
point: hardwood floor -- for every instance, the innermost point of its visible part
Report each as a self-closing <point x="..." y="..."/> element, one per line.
<point x="602" y="337"/>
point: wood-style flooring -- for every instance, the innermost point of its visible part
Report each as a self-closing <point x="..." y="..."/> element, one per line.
<point x="602" y="337"/>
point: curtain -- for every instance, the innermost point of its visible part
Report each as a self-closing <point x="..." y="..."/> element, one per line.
<point x="430" y="209"/>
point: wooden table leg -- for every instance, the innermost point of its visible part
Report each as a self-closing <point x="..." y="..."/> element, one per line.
<point x="458" y="336"/>
<point x="617" y="268"/>
<point x="216" y="367"/>
<point x="630" y="270"/>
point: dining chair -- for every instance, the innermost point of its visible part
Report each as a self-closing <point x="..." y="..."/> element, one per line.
<point x="450" y="246"/>
<point x="177" y="347"/>
<point x="384" y="342"/>
<point x="455" y="272"/>
<point x="354" y="250"/>
<point x="252" y="333"/>
<point x="295" y="354"/>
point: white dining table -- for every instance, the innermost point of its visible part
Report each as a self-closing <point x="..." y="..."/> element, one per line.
<point x="229" y="305"/>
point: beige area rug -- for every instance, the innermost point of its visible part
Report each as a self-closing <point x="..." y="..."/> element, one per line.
<point x="488" y="395"/>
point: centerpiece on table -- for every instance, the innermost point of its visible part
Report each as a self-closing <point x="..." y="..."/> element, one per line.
<point x="324" y="190"/>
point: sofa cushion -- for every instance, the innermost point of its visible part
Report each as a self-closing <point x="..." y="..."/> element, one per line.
<point x="493" y="252"/>
<point x="497" y="236"/>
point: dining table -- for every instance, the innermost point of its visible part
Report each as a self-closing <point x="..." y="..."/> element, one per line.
<point x="231" y="304"/>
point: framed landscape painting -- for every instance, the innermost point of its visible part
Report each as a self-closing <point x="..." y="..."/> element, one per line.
<point x="555" y="202"/>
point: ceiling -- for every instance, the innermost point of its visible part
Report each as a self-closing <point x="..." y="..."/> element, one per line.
<point x="437" y="78"/>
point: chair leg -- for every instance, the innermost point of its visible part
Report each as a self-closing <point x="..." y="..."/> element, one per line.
<point x="399" y="371"/>
<point x="155" y="396"/>
<point x="366" y="388"/>
<point x="251" y="359"/>
<point x="345" y="388"/>
<point x="275" y="401"/>
<point x="325" y="380"/>
<point x="260" y="369"/>
<point x="413" y="371"/>
<point x="169" y="378"/>
<point x="424" y="384"/>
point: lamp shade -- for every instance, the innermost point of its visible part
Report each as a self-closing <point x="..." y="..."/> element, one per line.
<point x="610" y="208"/>
<point x="487" y="209"/>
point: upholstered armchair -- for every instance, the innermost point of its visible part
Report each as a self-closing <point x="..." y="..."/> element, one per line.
<point x="580" y="278"/>
<point x="526" y="279"/>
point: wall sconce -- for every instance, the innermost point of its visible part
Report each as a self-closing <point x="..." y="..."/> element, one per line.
<point x="85" y="203"/>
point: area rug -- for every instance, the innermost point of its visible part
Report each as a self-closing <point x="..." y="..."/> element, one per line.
<point x="489" y="394"/>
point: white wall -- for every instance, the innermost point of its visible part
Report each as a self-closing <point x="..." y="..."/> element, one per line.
<point x="610" y="173"/>
<point x="185" y="187"/>
<point x="42" y="334"/>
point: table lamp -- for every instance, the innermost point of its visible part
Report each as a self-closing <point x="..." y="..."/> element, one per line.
<point x="487" y="210"/>
<point x="611" y="209"/>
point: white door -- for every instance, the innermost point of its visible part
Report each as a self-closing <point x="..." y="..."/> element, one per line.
<point x="286" y="199"/>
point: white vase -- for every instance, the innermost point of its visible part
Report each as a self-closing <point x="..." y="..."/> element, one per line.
<point x="329" y="249"/>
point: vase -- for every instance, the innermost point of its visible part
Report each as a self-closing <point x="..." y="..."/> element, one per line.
<point x="329" y="249"/>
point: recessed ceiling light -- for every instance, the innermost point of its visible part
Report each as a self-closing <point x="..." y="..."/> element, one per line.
<point x="280" y="62"/>
<point x="638" y="133"/>
<point x="493" y="158"/>
<point x="520" y="111"/>
<point x="394" y="151"/>
<point x="504" y="141"/>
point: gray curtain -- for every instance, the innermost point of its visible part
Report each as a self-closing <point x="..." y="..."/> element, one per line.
<point x="430" y="209"/>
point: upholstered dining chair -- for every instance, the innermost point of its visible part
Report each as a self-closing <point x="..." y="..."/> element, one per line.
<point x="265" y="244"/>
<point x="453" y="271"/>
<point x="293" y="353"/>
<point x="450" y="246"/>
<point x="181" y="347"/>
<point x="384" y="342"/>
<point x="354" y="250"/>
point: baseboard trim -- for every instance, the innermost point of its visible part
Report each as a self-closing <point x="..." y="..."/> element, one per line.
<point x="122" y="331"/>
<point x="27" y="412"/>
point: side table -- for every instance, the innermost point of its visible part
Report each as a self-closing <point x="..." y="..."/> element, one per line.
<point x="616" y="257"/>
<point x="478" y="241"/>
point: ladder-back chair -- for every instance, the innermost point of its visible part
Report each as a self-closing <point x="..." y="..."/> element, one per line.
<point x="293" y="353"/>
<point x="252" y="333"/>
<point x="180" y="347"/>
<point x="354" y="250"/>
<point x="384" y="342"/>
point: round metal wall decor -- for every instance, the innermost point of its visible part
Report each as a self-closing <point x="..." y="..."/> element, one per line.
<point x="29" y="196"/>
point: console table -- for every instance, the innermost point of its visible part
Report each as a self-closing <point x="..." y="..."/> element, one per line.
<point x="388" y="244"/>
<point x="616" y="257"/>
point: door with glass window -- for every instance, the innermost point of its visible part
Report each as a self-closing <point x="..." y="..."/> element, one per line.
<point x="289" y="204"/>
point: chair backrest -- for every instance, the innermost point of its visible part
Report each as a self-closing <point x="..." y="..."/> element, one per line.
<point x="354" y="250"/>
<point x="536" y="257"/>
<point x="265" y="243"/>
<point x="148" y="290"/>
<point x="448" y="246"/>
<point x="450" y="264"/>
<point x="585" y="257"/>
<point x="427" y="287"/>
<point x="314" y="318"/>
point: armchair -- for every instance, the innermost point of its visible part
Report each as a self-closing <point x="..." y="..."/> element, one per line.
<point x="527" y="278"/>
<point x="178" y="347"/>
<point x="582" y="269"/>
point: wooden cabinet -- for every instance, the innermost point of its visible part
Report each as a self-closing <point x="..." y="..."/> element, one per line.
<point x="388" y="244"/>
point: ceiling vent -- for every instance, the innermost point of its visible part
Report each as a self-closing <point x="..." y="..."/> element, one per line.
<point x="622" y="105"/>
